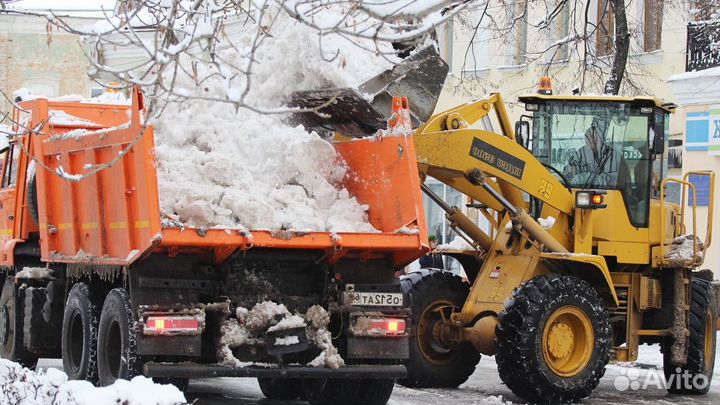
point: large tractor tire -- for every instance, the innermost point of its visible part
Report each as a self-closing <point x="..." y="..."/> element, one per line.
<point x="79" y="334"/>
<point x="117" y="344"/>
<point x="11" y="327"/>
<point x="283" y="389"/>
<point x="553" y="340"/>
<point x="433" y="363"/>
<point x="695" y="377"/>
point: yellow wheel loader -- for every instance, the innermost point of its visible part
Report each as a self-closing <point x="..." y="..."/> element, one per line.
<point x="587" y="260"/>
<point x="583" y="259"/>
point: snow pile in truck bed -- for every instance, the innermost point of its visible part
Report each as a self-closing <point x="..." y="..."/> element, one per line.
<point x="222" y="167"/>
<point x="19" y="385"/>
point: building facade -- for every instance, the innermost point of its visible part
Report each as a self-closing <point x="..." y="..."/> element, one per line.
<point x="41" y="58"/>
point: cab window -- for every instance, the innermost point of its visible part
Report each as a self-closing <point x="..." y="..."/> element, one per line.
<point x="10" y="168"/>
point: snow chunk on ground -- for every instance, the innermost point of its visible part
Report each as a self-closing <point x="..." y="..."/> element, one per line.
<point x="19" y="385"/>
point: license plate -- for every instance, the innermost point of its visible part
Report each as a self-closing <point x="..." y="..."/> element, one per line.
<point x="372" y="299"/>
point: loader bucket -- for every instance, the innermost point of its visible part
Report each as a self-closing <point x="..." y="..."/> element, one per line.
<point x="361" y="112"/>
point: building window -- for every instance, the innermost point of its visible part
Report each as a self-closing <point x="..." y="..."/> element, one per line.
<point x="562" y="31"/>
<point x="480" y="54"/>
<point x="516" y="14"/>
<point x="605" y="32"/>
<point x="653" y="25"/>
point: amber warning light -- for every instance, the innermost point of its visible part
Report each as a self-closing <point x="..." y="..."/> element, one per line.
<point x="545" y="86"/>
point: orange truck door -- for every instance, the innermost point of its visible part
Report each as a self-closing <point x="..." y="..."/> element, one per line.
<point x="8" y="188"/>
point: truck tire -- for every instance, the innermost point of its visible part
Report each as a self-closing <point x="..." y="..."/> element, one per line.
<point x="374" y="392"/>
<point x="330" y="392"/>
<point x="701" y="345"/>
<point x="553" y="340"/>
<point x="117" y="344"/>
<point x="281" y="388"/>
<point x="79" y="334"/>
<point x="11" y="327"/>
<point x="433" y="364"/>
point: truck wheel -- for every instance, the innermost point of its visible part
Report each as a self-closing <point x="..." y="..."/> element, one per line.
<point x="695" y="377"/>
<point x="79" y="334"/>
<point x="281" y="388"/>
<point x="374" y="392"/>
<point x="433" y="363"/>
<point x="11" y="328"/>
<point x="117" y="345"/>
<point x="330" y="392"/>
<point x="553" y="340"/>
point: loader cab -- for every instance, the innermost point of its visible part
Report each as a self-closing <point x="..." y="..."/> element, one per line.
<point x="602" y="143"/>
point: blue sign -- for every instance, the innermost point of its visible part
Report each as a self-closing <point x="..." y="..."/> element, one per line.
<point x="702" y="188"/>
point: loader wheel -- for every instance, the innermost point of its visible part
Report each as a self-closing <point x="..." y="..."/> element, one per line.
<point x="117" y="345"/>
<point x="281" y="388"/>
<point x="79" y="334"/>
<point x="695" y="377"/>
<point x="11" y="327"/>
<point x="330" y="392"/>
<point x="432" y="362"/>
<point x="553" y="340"/>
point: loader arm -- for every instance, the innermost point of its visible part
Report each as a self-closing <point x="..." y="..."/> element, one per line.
<point x="450" y="151"/>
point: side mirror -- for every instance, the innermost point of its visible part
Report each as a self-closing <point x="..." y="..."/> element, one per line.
<point x="657" y="141"/>
<point x="522" y="133"/>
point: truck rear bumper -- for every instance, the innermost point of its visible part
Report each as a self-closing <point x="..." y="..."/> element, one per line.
<point x="195" y="370"/>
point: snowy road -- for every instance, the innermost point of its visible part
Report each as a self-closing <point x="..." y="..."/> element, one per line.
<point x="483" y="387"/>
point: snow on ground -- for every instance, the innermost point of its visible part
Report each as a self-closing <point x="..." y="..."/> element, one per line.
<point x="20" y="386"/>
<point x="223" y="167"/>
<point x="484" y="387"/>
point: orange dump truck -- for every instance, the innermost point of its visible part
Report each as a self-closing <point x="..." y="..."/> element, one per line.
<point x="92" y="275"/>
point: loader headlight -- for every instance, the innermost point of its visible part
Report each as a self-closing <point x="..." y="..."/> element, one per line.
<point x="590" y="199"/>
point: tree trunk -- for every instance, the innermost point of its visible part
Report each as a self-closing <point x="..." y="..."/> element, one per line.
<point x="622" y="48"/>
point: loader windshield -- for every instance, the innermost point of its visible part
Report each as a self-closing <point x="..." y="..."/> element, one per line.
<point x="598" y="145"/>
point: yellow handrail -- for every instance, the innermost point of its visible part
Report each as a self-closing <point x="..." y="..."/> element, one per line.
<point x="685" y="183"/>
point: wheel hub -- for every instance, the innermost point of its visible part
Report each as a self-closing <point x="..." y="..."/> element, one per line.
<point x="567" y="341"/>
<point x="560" y="340"/>
<point x="4" y="324"/>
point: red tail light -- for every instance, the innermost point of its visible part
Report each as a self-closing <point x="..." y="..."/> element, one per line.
<point x="388" y="326"/>
<point x="171" y="325"/>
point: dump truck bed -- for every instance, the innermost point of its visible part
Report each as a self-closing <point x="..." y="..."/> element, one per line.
<point x="113" y="216"/>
